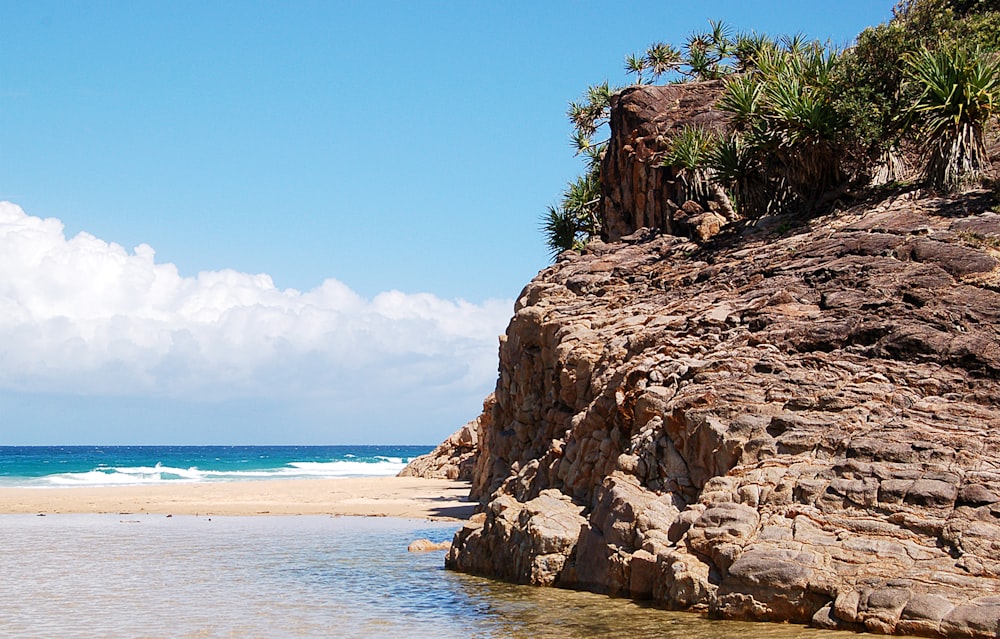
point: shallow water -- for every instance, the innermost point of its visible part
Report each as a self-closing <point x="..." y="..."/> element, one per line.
<point x="122" y="576"/>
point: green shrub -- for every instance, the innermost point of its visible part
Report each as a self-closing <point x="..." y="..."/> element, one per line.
<point x="738" y="167"/>
<point x="571" y="224"/>
<point x="785" y="126"/>
<point x="689" y="152"/>
<point x="958" y="94"/>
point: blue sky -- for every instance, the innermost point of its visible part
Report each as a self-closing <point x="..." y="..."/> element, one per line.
<point x="334" y="204"/>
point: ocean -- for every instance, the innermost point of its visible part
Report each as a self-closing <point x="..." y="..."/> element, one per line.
<point x="123" y="465"/>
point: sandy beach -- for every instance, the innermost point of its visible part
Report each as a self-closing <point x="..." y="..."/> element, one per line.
<point x="408" y="497"/>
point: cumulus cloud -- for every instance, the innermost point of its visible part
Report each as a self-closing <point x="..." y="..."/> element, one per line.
<point x="84" y="316"/>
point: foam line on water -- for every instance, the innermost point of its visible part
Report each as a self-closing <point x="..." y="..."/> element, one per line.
<point x="160" y="474"/>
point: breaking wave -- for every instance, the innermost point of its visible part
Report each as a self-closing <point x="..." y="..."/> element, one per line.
<point x="160" y="474"/>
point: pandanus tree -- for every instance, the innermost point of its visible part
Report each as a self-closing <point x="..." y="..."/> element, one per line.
<point x="710" y="53"/>
<point x="806" y="126"/>
<point x="807" y="120"/>
<point x="706" y="55"/>
<point x="574" y="221"/>
<point x="959" y="93"/>
<point x="571" y="223"/>
<point x="786" y="136"/>
<point x="738" y="166"/>
<point x="589" y="113"/>
<point x="689" y="153"/>
<point x="742" y="161"/>
<point x="659" y="59"/>
<point x="748" y="49"/>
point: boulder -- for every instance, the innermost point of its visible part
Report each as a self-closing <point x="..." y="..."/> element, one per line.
<point x="426" y="545"/>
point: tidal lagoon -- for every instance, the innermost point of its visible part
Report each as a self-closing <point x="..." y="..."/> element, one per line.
<point x="153" y="576"/>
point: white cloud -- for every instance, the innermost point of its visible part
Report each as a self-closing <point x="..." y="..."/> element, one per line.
<point x="84" y="316"/>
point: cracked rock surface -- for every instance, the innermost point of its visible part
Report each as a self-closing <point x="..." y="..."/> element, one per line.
<point x="798" y="427"/>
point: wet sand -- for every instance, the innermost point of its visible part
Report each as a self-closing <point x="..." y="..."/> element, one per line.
<point x="408" y="497"/>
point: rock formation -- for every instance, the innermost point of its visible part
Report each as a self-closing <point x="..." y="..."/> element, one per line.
<point x="637" y="191"/>
<point x="785" y="424"/>
<point x="457" y="456"/>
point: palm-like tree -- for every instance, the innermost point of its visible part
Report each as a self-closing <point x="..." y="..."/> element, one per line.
<point x="710" y="53"/>
<point x="795" y="43"/>
<point x="593" y="156"/>
<point x="738" y="164"/>
<point x="560" y="229"/>
<point x="817" y="64"/>
<point x="743" y="100"/>
<point x="807" y="129"/>
<point x="660" y="58"/>
<point x="748" y="48"/>
<point x="959" y="93"/>
<point x="571" y="224"/>
<point x="590" y="114"/>
<point x="700" y="63"/>
<point x="582" y="197"/>
<point x="783" y="114"/>
<point x="663" y="58"/>
<point x="592" y="111"/>
<point x="688" y="155"/>
<point x="721" y="36"/>
<point x="636" y="64"/>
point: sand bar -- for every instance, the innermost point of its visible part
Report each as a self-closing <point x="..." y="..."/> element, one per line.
<point x="409" y="497"/>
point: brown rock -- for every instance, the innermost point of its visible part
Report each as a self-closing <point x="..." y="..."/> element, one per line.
<point x="636" y="188"/>
<point x="804" y="427"/>
<point x="923" y="614"/>
<point x="528" y="542"/>
<point x="705" y="226"/>
<point x="972" y="620"/>
<point x="642" y="575"/>
<point x="457" y="456"/>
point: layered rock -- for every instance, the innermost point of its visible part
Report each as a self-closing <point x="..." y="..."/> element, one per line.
<point x="637" y="191"/>
<point x="457" y="456"/>
<point x="797" y="427"/>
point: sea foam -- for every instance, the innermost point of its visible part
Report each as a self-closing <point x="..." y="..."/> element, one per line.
<point x="48" y="466"/>
<point x="160" y="474"/>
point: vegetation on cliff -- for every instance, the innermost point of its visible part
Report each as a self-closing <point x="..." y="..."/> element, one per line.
<point x="809" y="122"/>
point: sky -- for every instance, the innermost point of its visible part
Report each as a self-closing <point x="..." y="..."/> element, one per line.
<point x="293" y="222"/>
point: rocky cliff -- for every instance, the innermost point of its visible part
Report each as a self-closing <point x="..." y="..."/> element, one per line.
<point x="783" y="424"/>
<point x="457" y="456"/>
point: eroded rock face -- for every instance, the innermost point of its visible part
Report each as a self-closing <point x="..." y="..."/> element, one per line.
<point x="457" y="456"/>
<point x="637" y="191"/>
<point x="799" y="428"/>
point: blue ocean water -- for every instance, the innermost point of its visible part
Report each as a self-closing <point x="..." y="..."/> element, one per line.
<point x="123" y="465"/>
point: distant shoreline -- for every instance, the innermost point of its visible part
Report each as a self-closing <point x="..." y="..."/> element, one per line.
<point x="405" y="497"/>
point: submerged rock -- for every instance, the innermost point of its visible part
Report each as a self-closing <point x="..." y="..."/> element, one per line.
<point x="426" y="545"/>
